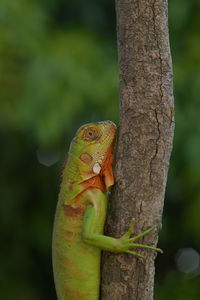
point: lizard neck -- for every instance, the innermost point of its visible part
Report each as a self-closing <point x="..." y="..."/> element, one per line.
<point x="74" y="182"/>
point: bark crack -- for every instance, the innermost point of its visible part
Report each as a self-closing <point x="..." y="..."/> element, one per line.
<point x="157" y="147"/>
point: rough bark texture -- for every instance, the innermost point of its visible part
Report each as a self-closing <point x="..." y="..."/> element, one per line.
<point x="144" y="145"/>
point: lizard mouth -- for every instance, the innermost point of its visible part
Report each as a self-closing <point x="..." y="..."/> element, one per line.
<point x="107" y="143"/>
<point x="111" y="133"/>
<point x="107" y="148"/>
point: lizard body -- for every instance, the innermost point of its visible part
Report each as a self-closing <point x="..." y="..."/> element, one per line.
<point x="80" y="215"/>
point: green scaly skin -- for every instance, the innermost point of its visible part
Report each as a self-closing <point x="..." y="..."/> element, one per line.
<point x="81" y="211"/>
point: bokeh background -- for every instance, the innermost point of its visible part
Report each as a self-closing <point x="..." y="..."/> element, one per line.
<point x="58" y="70"/>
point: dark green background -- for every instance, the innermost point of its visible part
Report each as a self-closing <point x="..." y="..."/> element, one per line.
<point x="58" y="70"/>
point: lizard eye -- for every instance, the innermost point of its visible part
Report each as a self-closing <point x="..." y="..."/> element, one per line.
<point x="90" y="134"/>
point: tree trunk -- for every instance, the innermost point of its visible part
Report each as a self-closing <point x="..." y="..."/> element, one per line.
<point x="144" y="145"/>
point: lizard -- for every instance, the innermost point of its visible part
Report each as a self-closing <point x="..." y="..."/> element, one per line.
<point x="78" y="233"/>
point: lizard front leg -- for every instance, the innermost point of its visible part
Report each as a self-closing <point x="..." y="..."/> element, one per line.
<point x="93" y="237"/>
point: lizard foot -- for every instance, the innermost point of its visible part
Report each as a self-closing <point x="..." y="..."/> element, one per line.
<point x="127" y="242"/>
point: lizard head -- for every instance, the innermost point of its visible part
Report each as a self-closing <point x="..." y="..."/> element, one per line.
<point x="93" y="145"/>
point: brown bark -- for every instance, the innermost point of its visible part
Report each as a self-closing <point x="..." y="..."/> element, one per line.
<point x="144" y="144"/>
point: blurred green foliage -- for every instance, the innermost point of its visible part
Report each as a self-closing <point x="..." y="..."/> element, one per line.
<point x="58" y="70"/>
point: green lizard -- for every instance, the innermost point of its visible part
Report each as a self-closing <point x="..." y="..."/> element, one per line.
<point x="81" y="211"/>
